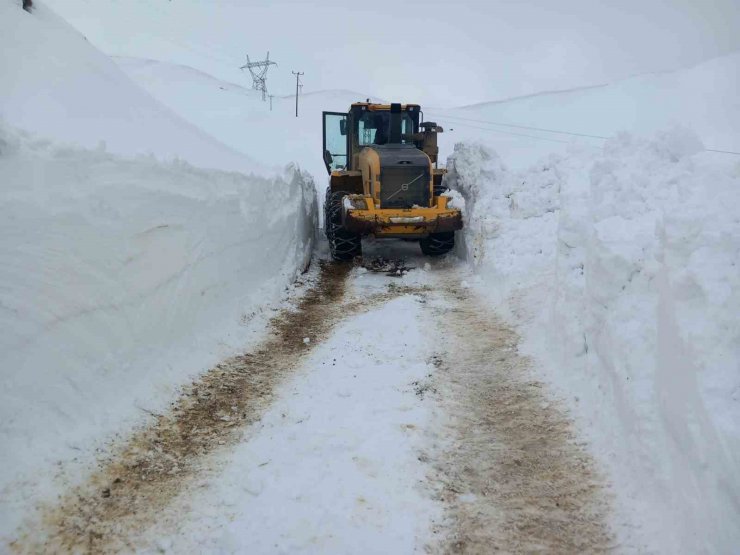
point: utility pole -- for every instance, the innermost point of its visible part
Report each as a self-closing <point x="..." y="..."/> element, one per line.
<point x="271" y="95"/>
<point x="259" y="73"/>
<point x="297" y="85"/>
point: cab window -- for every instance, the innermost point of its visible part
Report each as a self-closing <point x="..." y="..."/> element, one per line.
<point x="374" y="128"/>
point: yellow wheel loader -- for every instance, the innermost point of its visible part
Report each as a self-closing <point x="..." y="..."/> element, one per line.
<point x="384" y="180"/>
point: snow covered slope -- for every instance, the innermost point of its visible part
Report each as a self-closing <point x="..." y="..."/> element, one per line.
<point x="55" y="84"/>
<point x="703" y="98"/>
<point x="238" y="116"/>
<point x="124" y="272"/>
<point x="621" y="267"/>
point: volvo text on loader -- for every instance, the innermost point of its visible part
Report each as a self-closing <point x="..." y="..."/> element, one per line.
<point x="384" y="180"/>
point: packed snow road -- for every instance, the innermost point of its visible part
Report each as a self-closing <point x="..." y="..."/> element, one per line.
<point x="387" y="412"/>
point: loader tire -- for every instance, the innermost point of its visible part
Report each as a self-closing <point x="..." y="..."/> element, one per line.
<point x="437" y="244"/>
<point x="343" y="244"/>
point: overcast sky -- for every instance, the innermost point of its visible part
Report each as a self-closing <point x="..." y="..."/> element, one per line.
<point x="436" y="53"/>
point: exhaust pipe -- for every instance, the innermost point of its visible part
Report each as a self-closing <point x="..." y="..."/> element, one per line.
<point x="395" y="124"/>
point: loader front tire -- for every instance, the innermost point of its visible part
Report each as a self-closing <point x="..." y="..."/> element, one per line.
<point x="437" y="244"/>
<point x="343" y="244"/>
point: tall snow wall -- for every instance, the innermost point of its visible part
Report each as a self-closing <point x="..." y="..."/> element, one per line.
<point x="124" y="269"/>
<point x="622" y="271"/>
<point x="120" y="279"/>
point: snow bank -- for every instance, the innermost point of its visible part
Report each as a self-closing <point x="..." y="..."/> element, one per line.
<point x="125" y="270"/>
<point x="622" y="270"/>
<point x="120" y="279"/>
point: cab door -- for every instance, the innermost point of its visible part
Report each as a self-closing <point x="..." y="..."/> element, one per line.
<point x="335" y="143"/>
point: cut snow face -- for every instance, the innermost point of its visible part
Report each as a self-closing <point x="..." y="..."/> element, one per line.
<point x="120" y="279"/>
<point x="621" y="267"/>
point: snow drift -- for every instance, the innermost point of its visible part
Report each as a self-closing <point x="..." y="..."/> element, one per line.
<point x="125" y="269"/>
<point x="622" y="270"/>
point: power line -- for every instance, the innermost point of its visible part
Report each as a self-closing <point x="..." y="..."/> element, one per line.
<point x="548" y="139"/>
<point x="722" y="151"/>
<point x="571" y="133"/>
<point x="527" y="127"/>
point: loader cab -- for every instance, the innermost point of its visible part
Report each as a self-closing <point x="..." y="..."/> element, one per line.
<point x="366" y="124"/>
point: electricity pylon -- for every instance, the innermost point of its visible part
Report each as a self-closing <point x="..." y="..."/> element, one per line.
<point x="259" y="73"/>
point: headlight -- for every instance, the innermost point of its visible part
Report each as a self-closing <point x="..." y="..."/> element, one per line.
<point x="355" y="202"/>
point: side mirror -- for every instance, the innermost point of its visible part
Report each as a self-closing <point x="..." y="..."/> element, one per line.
<point x="343" y="126"/>
<point x="328" y="158"/>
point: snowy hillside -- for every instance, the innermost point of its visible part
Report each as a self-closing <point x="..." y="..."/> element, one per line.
<point x="126" y="267"/>
<point x="60" y="87"/>
<point x="703" y="98"/>
<point x="238" y="116"/>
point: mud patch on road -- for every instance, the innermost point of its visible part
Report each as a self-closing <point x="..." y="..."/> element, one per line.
<point x="392" y="267"/>
<point x="512" y="476"/>
<point x="160" y="461"/>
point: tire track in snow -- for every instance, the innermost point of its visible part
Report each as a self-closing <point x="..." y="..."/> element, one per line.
<point x="332" y="465"/>
<point x="512" y="475"/>
<point x="160" y="461"/>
